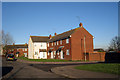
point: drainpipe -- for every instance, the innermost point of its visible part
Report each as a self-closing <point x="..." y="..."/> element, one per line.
<point x="84" y="48"/>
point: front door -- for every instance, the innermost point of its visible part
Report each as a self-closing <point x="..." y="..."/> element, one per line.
<point x="52" y="55"/>
<point x="61" y="54"/>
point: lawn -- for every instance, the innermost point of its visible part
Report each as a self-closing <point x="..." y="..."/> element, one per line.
<point x="49" y="60"/>
<point x="102" y="67"/>
<point x="43" y="60"/>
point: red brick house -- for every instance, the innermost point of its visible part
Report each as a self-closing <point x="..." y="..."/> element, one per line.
<point x="71" y="45"/>
<point x="17" y="49"/>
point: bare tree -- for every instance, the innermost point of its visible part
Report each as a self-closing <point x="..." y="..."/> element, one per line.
<point x="115" y="44"/>
<point x="7" y="39"/>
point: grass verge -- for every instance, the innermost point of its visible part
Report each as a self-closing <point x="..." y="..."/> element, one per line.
<point x="112" y="68"/>
<point x="48" y="60"/>
<point x="43" y="60"/>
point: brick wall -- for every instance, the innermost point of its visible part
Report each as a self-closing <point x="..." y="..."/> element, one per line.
<point x="97" y="56"/>
<point x="77" y="44"/>
<point x="21" y="51"/>
<point x="55" y="47"/>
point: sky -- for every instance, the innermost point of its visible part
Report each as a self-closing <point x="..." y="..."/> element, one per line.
<point x="22" y="19"/>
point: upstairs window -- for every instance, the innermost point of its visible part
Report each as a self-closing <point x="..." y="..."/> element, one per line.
<point x="67" y="52"/>
<point x="60" y="41"/>
<point x="52" y="43"/>
<point x="41" y="45"/>
<point x="67" y="40"/>
<point x="55" y="43"/>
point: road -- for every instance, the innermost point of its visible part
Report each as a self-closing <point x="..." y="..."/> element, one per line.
<point x="15" y="69"/>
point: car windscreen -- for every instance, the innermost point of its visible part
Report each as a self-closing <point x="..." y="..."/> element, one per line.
<point x="10" y="55"/>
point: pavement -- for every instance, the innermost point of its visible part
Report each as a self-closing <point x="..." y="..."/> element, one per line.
<point x="15" y="69"/>
<point x="70" y="72"/>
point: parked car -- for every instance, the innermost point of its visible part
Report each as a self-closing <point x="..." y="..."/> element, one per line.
<point x="10" y="57"/>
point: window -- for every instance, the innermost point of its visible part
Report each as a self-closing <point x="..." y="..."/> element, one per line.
<point x="57" y="43"/>
<point x="25" y="54"/>
<point x="48" y="53"/>
<point x="41" y="45"/>
<point x="48" y="44"/>
<point x="60" y="41"/>
<point x="25" y="49"/>
<point x="67" y="52"/>
<point x="67" y="40"/>
<point x="52" y="43"/>
<point x="54" y="52"/>
<point x="58" y="53"/>
<point x="36" y="53"/>
<point x="43" y="54"/>
<point x="12" y="49"/>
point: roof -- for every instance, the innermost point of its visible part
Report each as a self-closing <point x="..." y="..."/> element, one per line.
<point x="62" y="35"/>
<point x="18" y="46"/>
<point x="58" y="37"/>
<point x="39" y="38"/>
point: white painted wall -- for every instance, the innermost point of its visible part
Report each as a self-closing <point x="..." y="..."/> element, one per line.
<point x="33" y="50"/>
<point x="30" y="49"/>
<point x="37" y="46"/>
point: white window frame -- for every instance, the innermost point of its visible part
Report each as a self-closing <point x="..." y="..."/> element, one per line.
<point x="36" y="53"/>
<point x="54" y="52"/>
<point x="58" y="53"/>
<point x="48" y="53"/>
<point x="57" y="43"/>
<point x="52" y="43"/>
<point x="43" y="54"/>
<point x="60" y="41"/>
<point x="67" y="52"/>
<point x="41" y="45"/>
<point x="25" y="49"/>
<point x="67" y="40"/>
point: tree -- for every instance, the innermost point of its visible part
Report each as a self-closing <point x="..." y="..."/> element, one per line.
<point x="7" y="39"/>
<point x="115" y="44"/>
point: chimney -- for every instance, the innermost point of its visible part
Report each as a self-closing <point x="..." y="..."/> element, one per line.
<point x="80" y="25"/>
<point x="25" y="43"/>
<point x="50" y="36"/>
<point x="55" y="34"/>
<point x="13" y="43"/>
